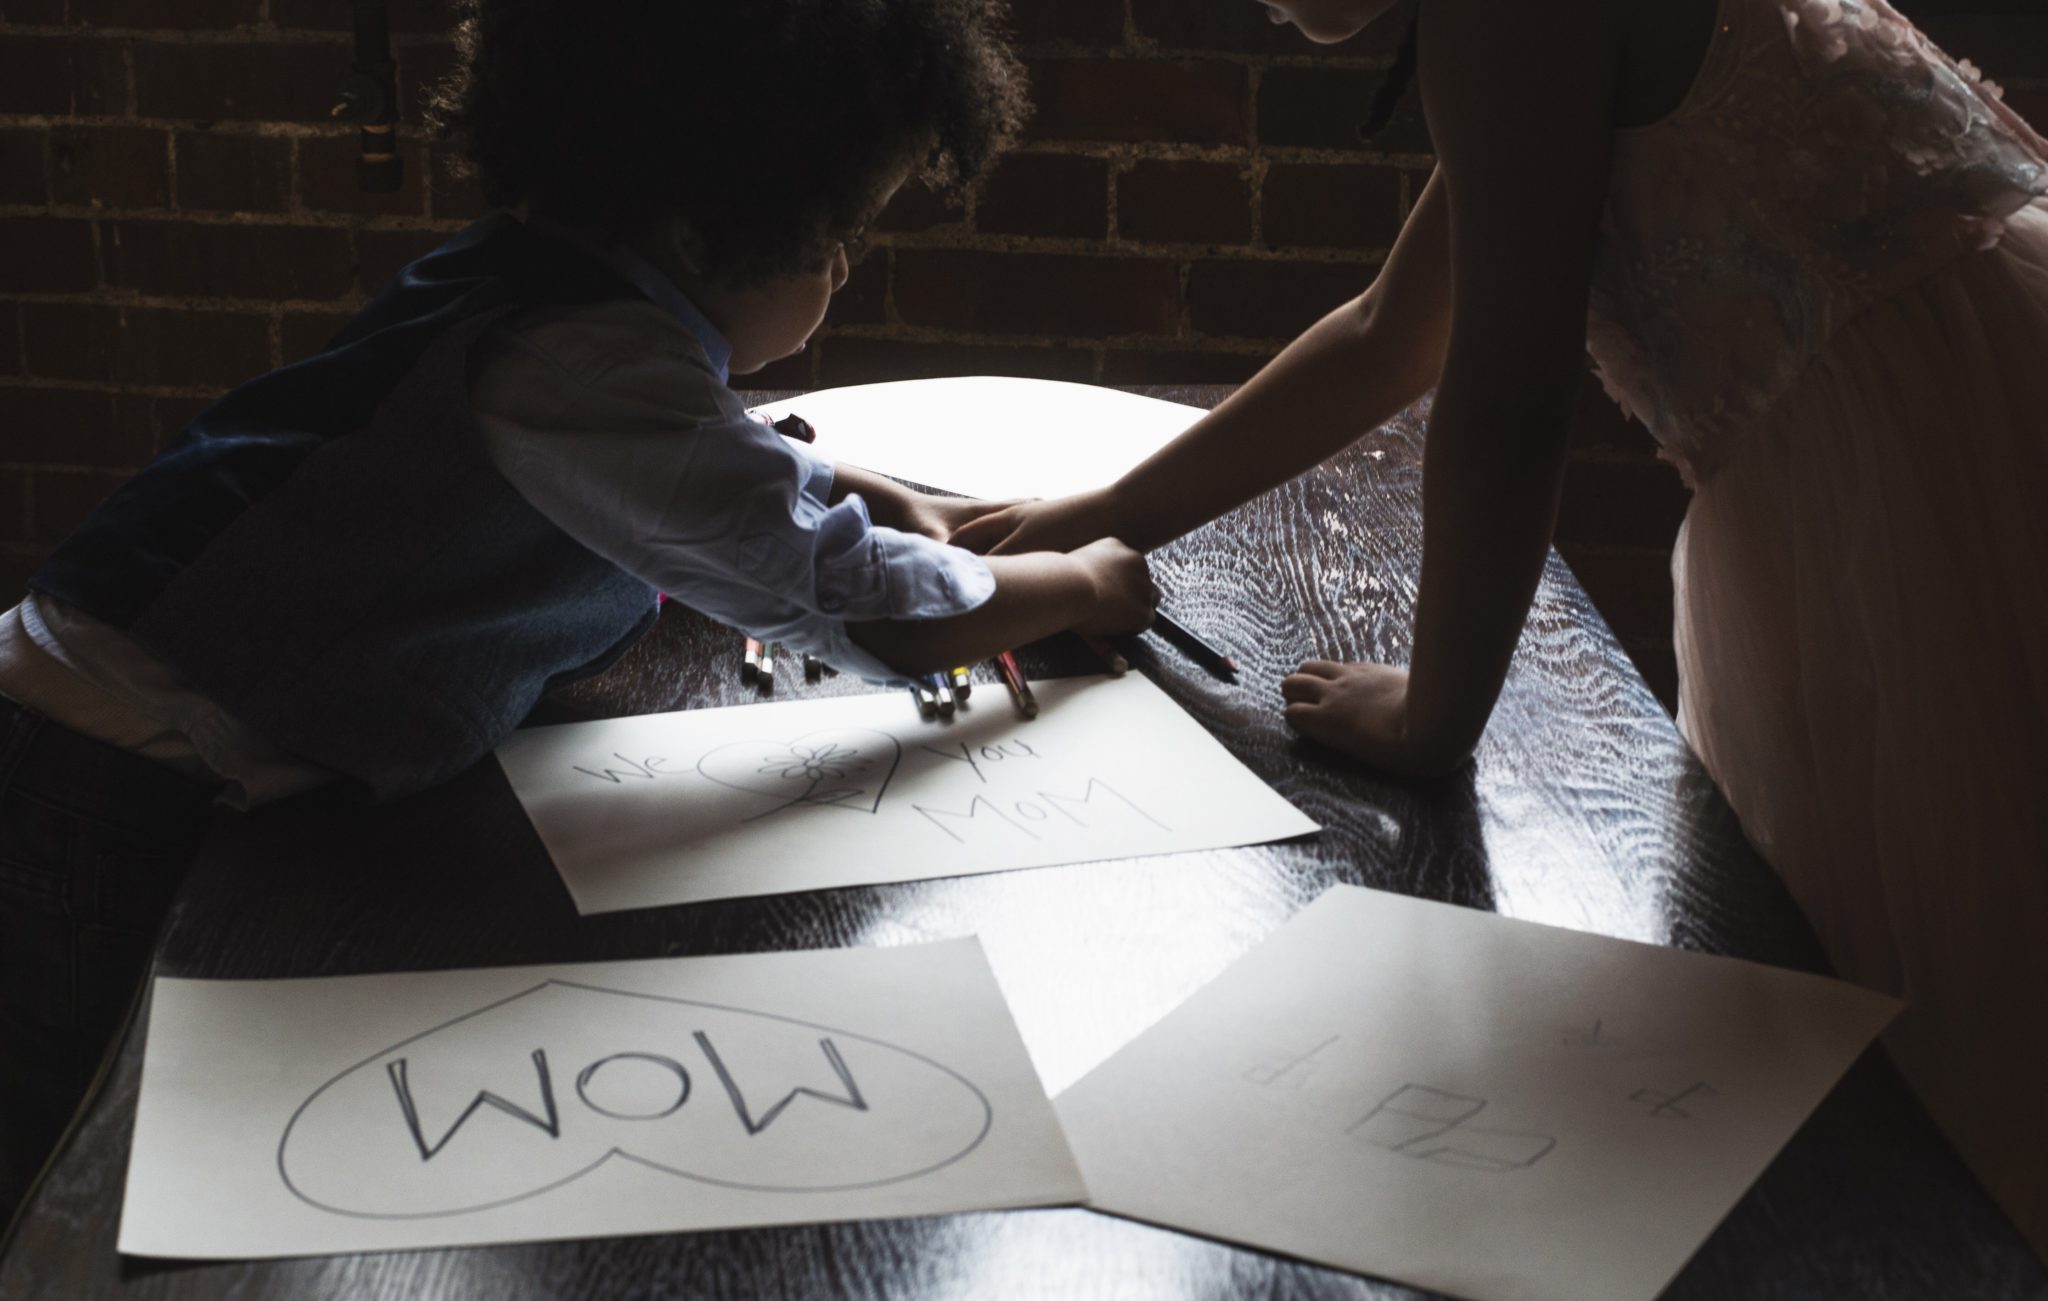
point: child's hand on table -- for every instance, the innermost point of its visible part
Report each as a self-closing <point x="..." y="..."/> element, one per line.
<point x="1362" y="709"/>
<point x="1038" y="524"/>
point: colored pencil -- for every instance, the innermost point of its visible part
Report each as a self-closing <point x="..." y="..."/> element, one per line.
<point x="1201" y="652"/>
<point x="963" y="685"/>
<point x="750" y="667"/>
<point x="1020" y="690"/>
<point x="768" y="668"/>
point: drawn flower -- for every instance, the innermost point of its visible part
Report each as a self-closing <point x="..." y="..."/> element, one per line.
<point x="811" y="762"/>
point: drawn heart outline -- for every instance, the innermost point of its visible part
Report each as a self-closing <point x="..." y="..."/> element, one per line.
<point x="793" y="772"/>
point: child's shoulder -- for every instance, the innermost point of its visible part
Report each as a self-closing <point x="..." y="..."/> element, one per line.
<point x="582" y="344"/>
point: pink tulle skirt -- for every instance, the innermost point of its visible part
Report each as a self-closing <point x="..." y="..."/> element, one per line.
<point x="1863" y="644"/>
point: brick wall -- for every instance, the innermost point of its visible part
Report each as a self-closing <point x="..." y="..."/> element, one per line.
<point x="178" y="212"/>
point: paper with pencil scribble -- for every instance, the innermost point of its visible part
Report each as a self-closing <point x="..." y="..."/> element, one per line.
<point x="806" y="795"/>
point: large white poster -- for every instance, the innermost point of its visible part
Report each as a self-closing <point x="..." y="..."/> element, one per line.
<point x="365" y="1113"/>
<point x="1486" y="1107"/>
<point x="805" y="795"/>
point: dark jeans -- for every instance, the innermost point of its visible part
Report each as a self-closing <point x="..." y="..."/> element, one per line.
<point x="93" y="844"/>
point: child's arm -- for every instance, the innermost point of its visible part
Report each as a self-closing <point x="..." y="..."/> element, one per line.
<point x="1359" y="365"/>
<point x="1100" y="589"/>
<point x="1523" y="229"/>
<point x="892" y="505"/>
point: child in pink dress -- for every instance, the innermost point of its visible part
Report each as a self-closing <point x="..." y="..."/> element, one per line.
<point x="1810" y="251"/>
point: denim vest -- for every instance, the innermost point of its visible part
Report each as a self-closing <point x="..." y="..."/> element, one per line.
<point x="329" y="555"/>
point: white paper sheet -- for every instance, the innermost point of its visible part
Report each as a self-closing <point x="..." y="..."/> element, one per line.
<point x="1455" y="1100"/>
<point x="811" y="794"/>
<point x="366" y="1113"/>
<point x="987" y="436"/>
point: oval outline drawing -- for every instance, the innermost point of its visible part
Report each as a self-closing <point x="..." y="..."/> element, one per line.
<point x="284" y="1140"/>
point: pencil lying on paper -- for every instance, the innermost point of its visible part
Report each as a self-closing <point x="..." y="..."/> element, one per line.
<point x="1201" y="652"/>
<point x="927" y="703"/>
<point x="750" y="667"/>
<point x="1112" y="658"/>
<point x="963" y="686"/>
<point x="1020" y="690"/>
<point x="942" y="689"/>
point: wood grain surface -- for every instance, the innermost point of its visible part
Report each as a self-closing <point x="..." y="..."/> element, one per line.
<point x="1584" y="809"/>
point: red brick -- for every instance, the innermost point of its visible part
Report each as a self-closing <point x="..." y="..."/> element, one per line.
<point x="451" y="194"/>
<point x="14" y="510"/>
<point x="157" y="420"/>
<point x="843" y="360"/>
<point x="1152" y="367"/>
<point x="1046" y="194"/>
<point x="47" y="255"/>
<point x="421" y="67"/>
<point x="860" y="300"/>
<point x="10" y="338"/>
<point x="181" y="347"/>
<point x="327" y="178"/>
<point x="185" y="15"/>
<point x="1184" y="203"/>
<point x="16" y="564"/>
<point x="1232" y="26"/>
<point x="1322" y="108"/>
<point x="62" y="74"/>
<point x="1621" y="503"/>
<point x="406" y="16"/>
<point x="1092" y="21"/>
<point x="33" y="13"/>
<point x="233" y="173"/>
<point x="110" y="166"/>
<point x="266" y="81"/>
<point x="1032" y="293"/>
<point x="56" y="425"/>
<point x="917" y="208"/>
<point x="22" y="176"/>
<point x="305" y="333"/>
<point x="1331" y="206"/>
<point x="70" y="340"/>
<point x="382" y="254"/>
<point x="229" y="261"/>
<point x="1188" y="101"/>
<point x="1269" y="300"/>
<point x="59" y="500"/>
<point x="2004" y="45"/>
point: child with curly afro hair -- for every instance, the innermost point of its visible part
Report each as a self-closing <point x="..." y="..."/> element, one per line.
<point x="366" y="567"/>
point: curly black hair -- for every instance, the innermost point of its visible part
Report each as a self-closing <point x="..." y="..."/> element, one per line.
<point x="772" y="126"/>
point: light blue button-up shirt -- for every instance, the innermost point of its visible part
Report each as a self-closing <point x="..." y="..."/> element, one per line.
<point x="615" y="421"/>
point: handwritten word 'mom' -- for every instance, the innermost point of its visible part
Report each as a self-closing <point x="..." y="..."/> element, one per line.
<point x="548" y="1117"/>
<point x="1022" y="813"/>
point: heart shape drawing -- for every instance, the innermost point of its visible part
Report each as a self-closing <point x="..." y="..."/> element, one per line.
<point x="836" y="768"/>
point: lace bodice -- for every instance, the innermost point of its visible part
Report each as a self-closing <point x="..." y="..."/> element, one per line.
<point x="1828" y="154"/>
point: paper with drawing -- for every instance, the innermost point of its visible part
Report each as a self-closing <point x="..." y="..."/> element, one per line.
<point x="765" y="799"/>
<point x="985" y="435"/>
<point x="1463" y="1102"/>
<point x="364" y="1113"/>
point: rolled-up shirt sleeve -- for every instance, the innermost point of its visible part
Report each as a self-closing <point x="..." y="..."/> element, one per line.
<point x="713" y="507"/>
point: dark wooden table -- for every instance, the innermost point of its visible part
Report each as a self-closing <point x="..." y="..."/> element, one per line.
<point x="1584" y="809"/>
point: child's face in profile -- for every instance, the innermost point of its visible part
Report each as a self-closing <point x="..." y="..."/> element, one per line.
<point x="1327" y="21"/>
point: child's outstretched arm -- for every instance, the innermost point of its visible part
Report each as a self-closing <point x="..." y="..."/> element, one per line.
<point x="1102" y="589"/>
<point x="1348" y="373"/>
<point x="1523" y="227"/>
